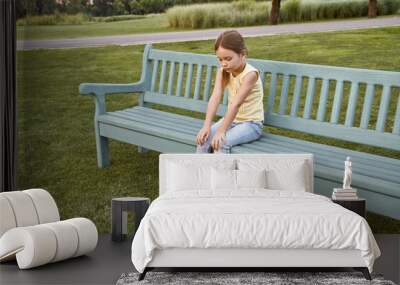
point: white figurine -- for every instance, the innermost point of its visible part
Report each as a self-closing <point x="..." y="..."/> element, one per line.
<point x="347" y="174"/>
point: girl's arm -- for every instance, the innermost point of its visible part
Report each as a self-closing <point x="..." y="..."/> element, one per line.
<point x="215" y="99"/>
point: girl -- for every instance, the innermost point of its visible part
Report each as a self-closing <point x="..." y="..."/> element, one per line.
<point x="243" y="120"/>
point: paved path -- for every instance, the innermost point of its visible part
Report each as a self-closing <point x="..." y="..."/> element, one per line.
<point x="138" y="39"/>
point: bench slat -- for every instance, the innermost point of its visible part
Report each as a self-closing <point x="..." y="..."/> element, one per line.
<point x="151" y="141"/>
<point x="324" y="157"/>
<point x="352" y="104"/>
<point x="337" y="102"/>
<point x="383" y="162"/>
<point x="154" y="76"/>
<point x="171" y="78"/>
<point x="181" y="102"/>
<point x="369" y="137"/>
<point x="296" y="96"/>
<point x="335" y="159"/>
<point x="383" y="109"/>
<point x="180" y="79"/>
<point x="382" y="186"/>
<point x="366" y="112"/>
<point x="262" y="77"/>
<point x="309" y="98"/>
<point x="146" y="129"/>
<point x="178" y="124"/>
<point x="207" y="87"/>
<point x="162" y="114"/>
<point x="272" y="92"/>
<point x="379" y="77"/>
<point x="359" y="180"/>
<point x="323" y="100"/>
<point x="183" y="57"/>
<point x="396" y="126"/>
<point x="284" y="94"/>
<point x="162" y="76"/>
<point x="189" y="80"/>
<point x="198" y="82"/>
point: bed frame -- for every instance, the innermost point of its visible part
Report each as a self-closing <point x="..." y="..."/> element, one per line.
<point x="249" y="257"/>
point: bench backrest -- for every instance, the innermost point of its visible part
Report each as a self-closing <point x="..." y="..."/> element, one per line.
<point x="357" y="105"/>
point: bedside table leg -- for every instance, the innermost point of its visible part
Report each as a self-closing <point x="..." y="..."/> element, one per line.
<point x="116" y="223"/>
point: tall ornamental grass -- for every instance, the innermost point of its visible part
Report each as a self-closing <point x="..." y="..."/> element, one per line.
<point x="240" y="13"/>
<point x="250" y="12"/>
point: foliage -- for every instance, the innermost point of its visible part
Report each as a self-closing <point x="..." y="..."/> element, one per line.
<point x="248" y="12"/>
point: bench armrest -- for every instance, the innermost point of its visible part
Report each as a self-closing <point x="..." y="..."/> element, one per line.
<point x="108" y="88"/>
<point x="99" y="90"/>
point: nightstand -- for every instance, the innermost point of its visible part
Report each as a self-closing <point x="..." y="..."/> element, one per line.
<point x="120" y="208"/>
<point x="357" y="206"/>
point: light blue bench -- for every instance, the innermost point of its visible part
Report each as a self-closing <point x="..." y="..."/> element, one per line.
<point x="354" y="105"/>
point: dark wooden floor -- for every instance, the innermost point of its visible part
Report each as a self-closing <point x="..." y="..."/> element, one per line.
<point x="110" y="260"/>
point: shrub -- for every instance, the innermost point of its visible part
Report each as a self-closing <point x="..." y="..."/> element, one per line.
<point x="55" y="19"/>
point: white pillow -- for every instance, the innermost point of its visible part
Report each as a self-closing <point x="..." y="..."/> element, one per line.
<point x="188" y="175"/>
<point x="251" y="178"/>
<point x="223" y="179"/>
<point x="292" y="178"/>
<point x="282" y="174"/>
<point x="227" y="179"/>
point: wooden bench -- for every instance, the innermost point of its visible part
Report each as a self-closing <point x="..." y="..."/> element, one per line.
<point x="355" y="105"/>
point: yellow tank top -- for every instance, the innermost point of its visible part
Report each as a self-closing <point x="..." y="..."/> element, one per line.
<point x="252" y="108"/>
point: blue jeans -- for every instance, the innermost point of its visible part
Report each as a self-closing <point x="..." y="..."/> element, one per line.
<point x="237" y="133"/>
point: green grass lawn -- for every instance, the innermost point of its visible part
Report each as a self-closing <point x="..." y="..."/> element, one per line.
<point x="149" y="24"/>
<point x="56" y="135"/>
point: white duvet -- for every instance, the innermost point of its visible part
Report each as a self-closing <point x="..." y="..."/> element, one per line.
<point x="250" y="219"/>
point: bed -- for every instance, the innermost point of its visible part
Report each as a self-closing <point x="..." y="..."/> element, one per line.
<point x="247" y="210"/>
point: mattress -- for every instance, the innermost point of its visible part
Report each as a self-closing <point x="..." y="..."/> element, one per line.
<point x="251" y="219"/>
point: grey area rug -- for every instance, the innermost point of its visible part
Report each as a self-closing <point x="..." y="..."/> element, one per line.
<point x="232" y="278"/>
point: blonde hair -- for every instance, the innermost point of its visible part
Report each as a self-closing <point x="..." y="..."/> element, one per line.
<point x="233" y="41"/>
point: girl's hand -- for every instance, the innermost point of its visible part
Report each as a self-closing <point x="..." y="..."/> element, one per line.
<point x="218" y="140"/>
<point x="203" y="134"/>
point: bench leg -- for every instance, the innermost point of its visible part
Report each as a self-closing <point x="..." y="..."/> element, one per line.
<point x="364" y="271"/>
<point x="102" y="151"/>
<point x="142" y="149"/>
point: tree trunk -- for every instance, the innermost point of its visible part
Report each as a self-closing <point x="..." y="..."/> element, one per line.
<point x="274" y="16"/>
<point x="372" y="9"/>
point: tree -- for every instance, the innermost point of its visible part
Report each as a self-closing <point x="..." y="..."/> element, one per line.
<point x="102" y="7"/>
<point x="20" y="8"/>
<point x="119" y="7"/>
<point x="274" y="16"/>
<point x="35" y="7"/>
<point x="372" y="9"/>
